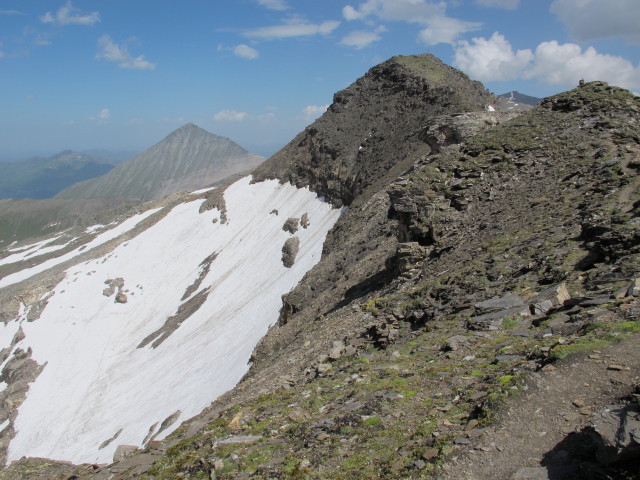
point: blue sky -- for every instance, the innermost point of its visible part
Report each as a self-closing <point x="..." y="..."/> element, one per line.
<point x="123" y="74"/>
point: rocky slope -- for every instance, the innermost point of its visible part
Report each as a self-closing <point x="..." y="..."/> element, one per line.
<point x="478" y="250"/>
<point x="188" y="158"/>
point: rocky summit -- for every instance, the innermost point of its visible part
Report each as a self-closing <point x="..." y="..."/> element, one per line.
<point x="474" y="313"/>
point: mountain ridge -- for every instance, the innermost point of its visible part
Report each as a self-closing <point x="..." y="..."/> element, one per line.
<point x="477" y="249"/>
<point x="189" y="157"/>
<point x="44" y="177"/>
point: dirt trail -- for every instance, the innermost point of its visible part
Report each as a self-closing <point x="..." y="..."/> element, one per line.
<point x="557" y="402"/>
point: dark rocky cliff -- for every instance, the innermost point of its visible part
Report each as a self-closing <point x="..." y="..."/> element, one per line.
<point x="375" y="128"/>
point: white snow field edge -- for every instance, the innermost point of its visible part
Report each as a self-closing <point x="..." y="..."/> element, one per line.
<point x="101" y="239"/>
<point x="31" y="251"/>
<point x="97" y="382"/>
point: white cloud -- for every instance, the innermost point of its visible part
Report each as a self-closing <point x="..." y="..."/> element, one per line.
<point x="108" y="50"/>
<point x="592" y="19"/>
<point x="492" y="59"/>
<point x="102" y="117"/>
<point x="567" y="64"/>
<point x="414" y="11"/>
<point x="11" y="12"/>
<point x="506" y="4"/>
<point x="360" y="39"/>
<point x="350" y="13"/>
<point x="446" y="30"/>
<point x="274" y="4"/>
<point x="439" y="28"/>
<point x="551" y="63"/>
<point x="68" y="15"/>
<point x="311" y="112"/>
<point x="296" y="29"/>
<point x="229" y="116"/>
<point x="245" y="51"/>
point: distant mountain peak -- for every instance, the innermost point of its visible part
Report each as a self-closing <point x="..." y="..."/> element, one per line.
<point x="190" y="126"/>
<point x="517" y="97"/>
<point x="188" y="158"/>
<point x="189" y="130"/>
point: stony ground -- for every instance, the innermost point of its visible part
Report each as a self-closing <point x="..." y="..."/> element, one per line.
<point x="539" y="433"/>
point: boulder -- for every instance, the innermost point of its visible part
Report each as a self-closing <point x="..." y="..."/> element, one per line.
<point x="121" y="298"/>
<point x="563" y="325"/>
<point x="290" y="251"/>
<point x="124" y="451"/>
<point x="616" y="433"/>
<point x="547" y="299"/>
<point x="497" y="304"/>
<point x="235" y="439"/>
<point x="494" y="320"/>
<point x="291" y="225"/>
<point x="456" y="342"/>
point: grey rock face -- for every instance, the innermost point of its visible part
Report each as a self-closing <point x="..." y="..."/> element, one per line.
<point x="371" y="125"/>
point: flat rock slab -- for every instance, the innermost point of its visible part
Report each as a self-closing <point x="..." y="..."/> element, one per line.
<point x="139" y="462"/>
<point x="546" y="473"/>
<point x="493" y="320"/>
<point x="616" y="430"/>
<point x="499" y="303"/>
<point x="238" y="439"/>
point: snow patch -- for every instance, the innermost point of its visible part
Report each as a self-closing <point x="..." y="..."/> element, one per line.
<point x="94" y="228"/>
<point x="124" y="227"/>
<point x="97" y="381"/>
<point x="203" y="190"/>
<point x="32" y="250"/>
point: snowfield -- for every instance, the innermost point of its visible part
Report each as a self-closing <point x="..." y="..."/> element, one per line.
<point x="126" y="367"/>
<point x="101" y="239"/>
<point x="33" y="250"/>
